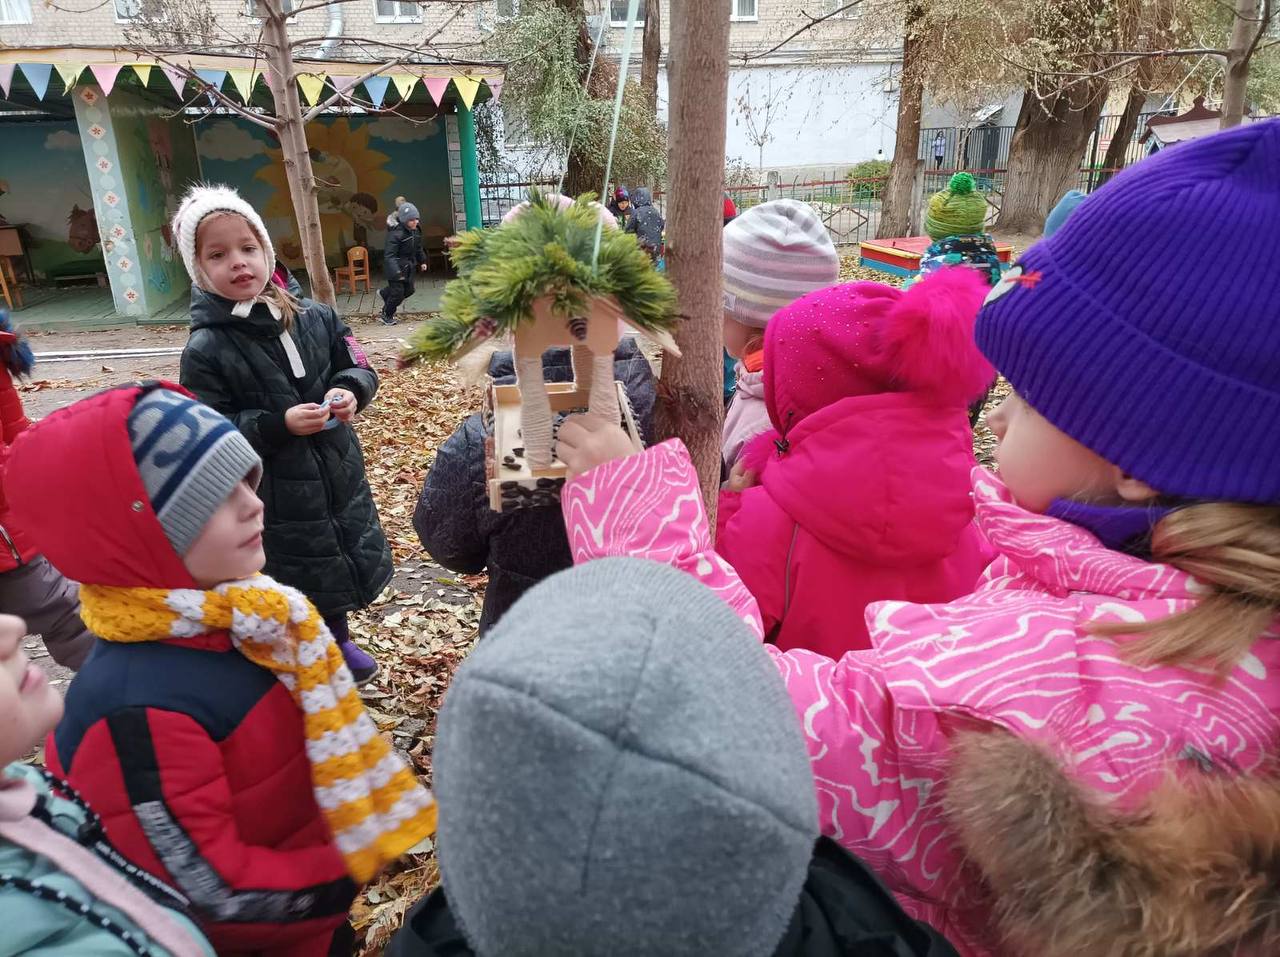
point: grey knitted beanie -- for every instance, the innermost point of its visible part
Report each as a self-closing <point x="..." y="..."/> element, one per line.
<point x="190" y="458"/>
<point x="621" y="772"/>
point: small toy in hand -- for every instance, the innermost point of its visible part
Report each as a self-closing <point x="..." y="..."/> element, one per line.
<point x="329" y="403"/>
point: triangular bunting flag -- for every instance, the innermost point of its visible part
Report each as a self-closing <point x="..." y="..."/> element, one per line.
<point x="6" y="77"/>
<point x="244" y="81"/>
<point x="70" y="73"/>
<point x="37" y="75"/>
<point x="404" y="85"/>
<point x="144" y="72"/>
<point x="311" y="86"/>
<point x="467" y="87"/>
<point x="436" y="86"/>
<point x="214" y="78"/>
<point x="343" y="83"/>
<point x="495" y="88"/>
<point x="176" y="77"/>
<point x="376" y="88"/>
<point x="106" y="75"/>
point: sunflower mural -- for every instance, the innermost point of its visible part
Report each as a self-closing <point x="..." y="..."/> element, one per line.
<point x="349" y="175"/>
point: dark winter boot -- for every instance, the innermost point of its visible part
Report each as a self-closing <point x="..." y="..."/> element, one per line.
<point x="363" y="667"/>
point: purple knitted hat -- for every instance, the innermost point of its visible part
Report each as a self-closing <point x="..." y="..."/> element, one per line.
<point x="1148" y="327"/>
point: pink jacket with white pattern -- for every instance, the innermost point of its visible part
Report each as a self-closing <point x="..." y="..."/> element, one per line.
<point x="1016" y="655"/>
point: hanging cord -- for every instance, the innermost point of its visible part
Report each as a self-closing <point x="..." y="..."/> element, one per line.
<point x="628" y="41"/>
<point x="586" y="95"/>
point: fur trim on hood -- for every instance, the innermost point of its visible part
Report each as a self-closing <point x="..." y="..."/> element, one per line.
<point x="1194" y="872"/>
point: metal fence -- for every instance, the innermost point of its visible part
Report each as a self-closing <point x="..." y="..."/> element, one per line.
<point x="497" y="198"/>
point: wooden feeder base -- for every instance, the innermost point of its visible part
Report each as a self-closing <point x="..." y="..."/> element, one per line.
<point x="512" y="484"/>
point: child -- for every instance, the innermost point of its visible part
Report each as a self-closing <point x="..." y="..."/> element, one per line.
<point x="518" y="548"/>
<point x="774" y="253"/>
<point x="291" y="376"/>
<point x="864" y="477"/>
<point x="620" y="206"/>
<point x="646" y="222"/>
<point x="215" y="728"/>
<point x="607" y="792"/>
<point x="1078" y="758"/>
<point x="29" y="586"/>
<point x="956" y="222"/>
<point x="63" y="888"/>
<point x="401" y="258"/>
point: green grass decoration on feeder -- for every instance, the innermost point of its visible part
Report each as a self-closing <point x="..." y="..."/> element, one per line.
<point x="544" y="252"/>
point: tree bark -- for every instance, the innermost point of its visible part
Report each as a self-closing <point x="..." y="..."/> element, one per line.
<point x="690" y="400"/>
<point x="1118" y="148"/>
<point x="1235" y="84"/>
<point x="651" y="55"/>
<point x="1044" y="160"/>
<point x="581" y="175"/>
<point x="296" y="155"/>
<point x="895" y="203"/>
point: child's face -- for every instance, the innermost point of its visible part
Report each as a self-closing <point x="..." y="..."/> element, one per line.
<point x="738" y="337"/>
<point x="231" y="256"/>
<point x="229" y="546"/>
<point x="29" y="708"/>
<point x="1039" y="463"/>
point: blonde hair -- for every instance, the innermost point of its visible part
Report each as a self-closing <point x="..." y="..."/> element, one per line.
<point x="281" y="298"/>
<point x="1233" y="551"/>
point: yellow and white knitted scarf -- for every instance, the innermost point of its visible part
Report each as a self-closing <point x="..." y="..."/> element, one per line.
<point x="374" y="805"/>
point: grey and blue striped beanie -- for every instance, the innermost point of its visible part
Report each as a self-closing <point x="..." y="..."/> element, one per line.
<point x="190" y="458"/>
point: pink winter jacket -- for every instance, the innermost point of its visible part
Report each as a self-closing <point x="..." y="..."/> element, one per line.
<point x="1014" y="655"/>
<point x="746" y="417"/>
<point x="870" y="501"/>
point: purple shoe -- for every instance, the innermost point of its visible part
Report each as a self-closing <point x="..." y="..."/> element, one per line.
<point x="362" y="666"/>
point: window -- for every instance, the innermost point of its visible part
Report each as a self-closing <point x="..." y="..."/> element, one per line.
<point x="743" y="10"/>
<point x="15" y="11"/>
<point x="851" y="14"/>
<point x="127" y="10"/>
<point x="618" y="12"/>
<point x="507" y="9"/>
<point x="397" y="11"/>
<point x="258" y="11"/>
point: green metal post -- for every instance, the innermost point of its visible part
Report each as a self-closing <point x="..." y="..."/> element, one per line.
<point x="470" y="167"/>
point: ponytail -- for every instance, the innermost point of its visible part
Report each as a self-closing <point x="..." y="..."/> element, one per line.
<point x="1233" y="552"/>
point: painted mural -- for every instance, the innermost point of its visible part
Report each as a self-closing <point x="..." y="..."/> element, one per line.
<point x="360" y="163"/>
<point x="44" y="187"/>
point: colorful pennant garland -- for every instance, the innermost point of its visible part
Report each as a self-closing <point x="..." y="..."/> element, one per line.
<point x="105" y="74"/>
<point x="244" y="82"/>
<point x="311" y="86"/>
<point x="176" y="77"/>
<point x="6" y="77"/>
<point x="143" y="70"/>
<point x="495" y="88"/>
<point x="37" y="75"/>
<point x="376" y="88"/>
<point x="404" y="85"/>
<point x="467" y="87"/>
<point x="70" y="73"/>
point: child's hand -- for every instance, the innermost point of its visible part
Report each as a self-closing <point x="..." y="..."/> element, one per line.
<point x="741" y="478"/>
<point x="342" y="403"/>
<point x="306" y="419"/>
<point x="587" y="441"/>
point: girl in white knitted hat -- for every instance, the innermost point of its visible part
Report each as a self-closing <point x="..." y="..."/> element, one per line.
<point x="292" y="377"/>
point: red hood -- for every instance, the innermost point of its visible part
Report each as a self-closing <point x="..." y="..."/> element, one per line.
<point x="881" y="478"/>
<point x="72" y="484"/>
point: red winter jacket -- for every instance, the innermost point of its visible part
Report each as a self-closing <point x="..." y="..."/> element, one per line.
<point x="193" y="755"/>
<point x="15" y="548"/>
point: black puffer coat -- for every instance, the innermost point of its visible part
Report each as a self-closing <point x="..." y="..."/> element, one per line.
<point x="519" y="548"/>
<point x="322" y="532"/>
<point x="403" y="253"/>
<point x="843" y="911"/>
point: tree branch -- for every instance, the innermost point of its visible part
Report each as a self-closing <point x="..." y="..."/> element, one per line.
<point x="253" y="116"/>
<point x="1264" y="22"/>
<point x="813" y="22"/>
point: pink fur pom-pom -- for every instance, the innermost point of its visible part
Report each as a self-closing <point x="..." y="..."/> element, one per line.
<point x="927" y="339"/>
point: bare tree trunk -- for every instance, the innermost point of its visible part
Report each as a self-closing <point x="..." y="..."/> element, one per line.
<point x="296" y="156"/>
<point x="1044" y="160"/>
<point x="1118" y="148"/>
<point x="582" y="176"/>
<point x="895" y="204"/>
<point x="690" y="404"/>
<point x="1235" y="84"/>
<point x="651" y="56"/>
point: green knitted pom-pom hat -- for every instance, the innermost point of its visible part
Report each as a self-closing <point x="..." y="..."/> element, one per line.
<point x="956" y="210"/>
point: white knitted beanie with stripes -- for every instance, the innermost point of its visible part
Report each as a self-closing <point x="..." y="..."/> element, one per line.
<point x="775" y="253"/>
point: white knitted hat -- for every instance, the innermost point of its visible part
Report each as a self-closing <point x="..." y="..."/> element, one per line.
<point x="202" y="201"/>
<point x="775" y="253"/>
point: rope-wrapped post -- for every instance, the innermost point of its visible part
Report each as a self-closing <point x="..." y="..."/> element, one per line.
<point x="604" y="391"/>
<point x="583" y="367"/>
<point x="535" y="411"/>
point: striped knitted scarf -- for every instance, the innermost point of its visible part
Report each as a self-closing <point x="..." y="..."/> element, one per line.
<point x="375" y="807"/>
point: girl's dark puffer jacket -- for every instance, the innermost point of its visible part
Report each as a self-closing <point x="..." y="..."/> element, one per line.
<point x="322" y="532"/>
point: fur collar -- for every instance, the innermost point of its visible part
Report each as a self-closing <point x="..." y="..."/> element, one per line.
<point x="1194" y="873"/>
